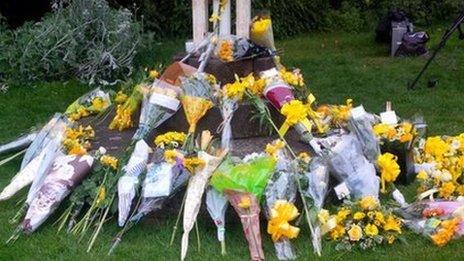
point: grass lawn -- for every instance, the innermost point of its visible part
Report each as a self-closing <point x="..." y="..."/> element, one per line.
<point x="337" y="66"/>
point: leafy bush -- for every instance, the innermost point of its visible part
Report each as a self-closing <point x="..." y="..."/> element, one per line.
<point x="86" y="39"/>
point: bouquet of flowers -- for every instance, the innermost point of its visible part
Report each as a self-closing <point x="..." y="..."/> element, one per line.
<point x="217" y="205"/>
<point x="165" y="176"/>
<point x="232" y="48"/>
<point x="360" y="123"/>
<point x="243" y="185"/>
<point x="196" y="101"/>
<point x="281" y="96"/>
<point x="364" y="224"/>
<point x="280" y="196"/>
<point x="196" y="187"/>
<point x="54" y="129"/>
<point x="316" y="184"/>
<point x="441" y="221"/>
<point x="439" y="166"/>
<point x="18" y="144"/>
<point x="335" y="116"/>
<point x="93" y="102"/>
<point x="123" y="118"/>
<point x="348" y="164"/>
<point x="398" y="139"/>
<point x="159" y="104"/>
<point x="67" y="172"/>
<point x="128" y="183"/>
<point x="261" y="32"/>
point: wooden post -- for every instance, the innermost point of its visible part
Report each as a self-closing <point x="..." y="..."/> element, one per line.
<point x="200" y="19"/>
<point x="243" y="10"/>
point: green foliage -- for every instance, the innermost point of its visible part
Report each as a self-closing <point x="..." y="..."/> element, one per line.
<point x="86" y="39"/>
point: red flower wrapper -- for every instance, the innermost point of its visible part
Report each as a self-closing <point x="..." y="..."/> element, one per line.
<point x="67" y="172"/>
<point x="278" y="94"/>
<point x="247" y="207"/>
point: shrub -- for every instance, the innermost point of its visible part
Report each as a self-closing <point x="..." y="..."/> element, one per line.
<point x="86" y="39"/>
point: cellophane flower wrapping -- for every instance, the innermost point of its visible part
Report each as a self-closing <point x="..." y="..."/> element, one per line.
<point x="87" y="99"/>
<point x="261" y="32"/>
<point x="23" y="178"/>
<point x="21" y="142"/>
<point x="54" y="128"/>
<point x="154" y="194"/>
<point x="195" y="190"/>
<point x="278" y="93"/>
<point x="282" y="186"/>
<point x="426" y="217"/>
<point x="159" y="104"/>
<point x="129" y="182"/>
<point x="217" y="205"/>
<point x="67" y="172"/>
<point x="51" y="150"/>
<point x="243" y="185"/>
<point x="348" y="164"/>
<point x="317" y="184"/>
<point x="360" y="123"/>
<point x="228" y="107"/>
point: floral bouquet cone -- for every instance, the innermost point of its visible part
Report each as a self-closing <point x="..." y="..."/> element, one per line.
<point x="195" y="108"/>
<point x="217" y="205"/>
<point x="67" y="172"/>
<point x="243" y="185"/>
<point x="195" y="190"/>
<point x="247" y="207"/>
<point x="158" y="106"/>
<point x="129" y="182"/>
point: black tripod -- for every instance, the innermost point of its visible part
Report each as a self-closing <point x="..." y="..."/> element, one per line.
<point x="456" y="26"/>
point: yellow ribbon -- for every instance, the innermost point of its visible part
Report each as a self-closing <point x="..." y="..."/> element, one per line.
<point x="313" y="115"/>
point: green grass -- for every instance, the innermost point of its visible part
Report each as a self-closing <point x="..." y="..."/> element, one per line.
<point x="337" y="66"/>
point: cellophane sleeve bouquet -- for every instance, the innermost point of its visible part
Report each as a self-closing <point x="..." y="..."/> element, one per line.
<point x="281" y="96"/>
<point x="217" y="205"/>
<point x="196" y="101"/>
<point x="67" y="172"/>
<point x="315" y="182"/>
<point x="243" y="185"/>
<point x="441" y="221"/>
<point x="360" y="123"/>
<point x="208" y="161"/>
<point x="159" y="104"/>
<point x="52" y="129"/>
<point x="439" y="167"/>
<point x="362" y="224"/>
<point x="129" y="182"/>
<point x="348" y="164"/>
<point x="93" y="102"/>
<point x="280" y="196"/>
<point x="22" y="142"/>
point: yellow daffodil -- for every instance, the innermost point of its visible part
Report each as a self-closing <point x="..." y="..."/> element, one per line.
<point x="389" y="168"/>
<point x="355" y="233"/>
<point x="280" y="215"/>
<point x="371" y="230"/>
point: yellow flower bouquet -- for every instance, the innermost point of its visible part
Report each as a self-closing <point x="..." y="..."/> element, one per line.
<point x="196" y="101"/>
<point x="362" y="224"/>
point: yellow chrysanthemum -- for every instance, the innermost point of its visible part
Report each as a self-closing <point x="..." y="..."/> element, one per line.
<point x="260" y="26"/>
<point x="193" y="164"/>
<point x="371" y="230"/>
<point x="436" y="147"/>
<point x="446" y="190"/>
<point x="294" y="78"/>
<point x="422" y="175"/>
<point x="358" y="215"/>
<point x="446" y="232"/>
<point x="342" y="214"/>
<point x="170" y="139"/>
<point x="226" y="51"/>
<point x="245" y="202"/>
<point x="98" y="104"/>
<point x="294" y="111"/>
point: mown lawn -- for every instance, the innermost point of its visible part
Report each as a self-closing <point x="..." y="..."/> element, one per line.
<point x="337" y="66"/>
